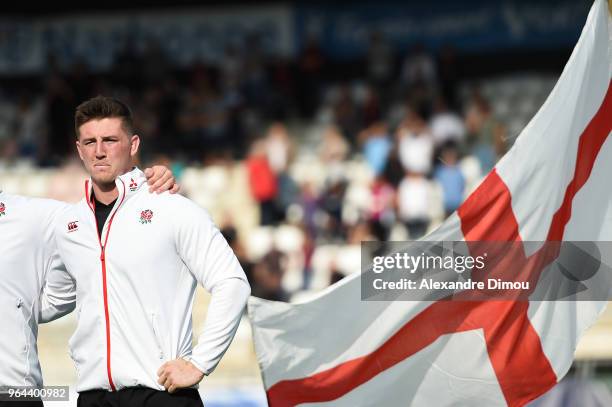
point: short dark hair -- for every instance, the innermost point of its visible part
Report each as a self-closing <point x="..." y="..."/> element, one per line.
<point x="102" y="107"/>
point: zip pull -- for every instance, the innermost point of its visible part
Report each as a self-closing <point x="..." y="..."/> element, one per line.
<point x="102" y="254"/>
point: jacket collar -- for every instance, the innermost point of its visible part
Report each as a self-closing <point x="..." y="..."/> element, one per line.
<point x="127" y="185"/>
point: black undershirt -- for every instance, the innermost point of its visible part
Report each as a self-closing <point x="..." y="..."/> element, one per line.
<point x="102" y="211"/>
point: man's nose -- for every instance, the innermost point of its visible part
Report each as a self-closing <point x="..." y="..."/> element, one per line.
<point x="100" y="150"/>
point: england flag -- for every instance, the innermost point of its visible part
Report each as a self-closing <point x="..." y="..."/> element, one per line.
<point x="554" y="185"/>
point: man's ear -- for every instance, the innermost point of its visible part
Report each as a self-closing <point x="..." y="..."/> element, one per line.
<point x="135" y="143"/>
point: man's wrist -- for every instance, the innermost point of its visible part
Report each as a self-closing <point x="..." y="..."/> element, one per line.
<point x="197" y="366"/>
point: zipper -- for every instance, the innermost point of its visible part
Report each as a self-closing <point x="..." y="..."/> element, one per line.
<point x="24" y="320"/>
<point x="156" y="335"/>
<point x="26" y="336"/>
<point x="106" y="318"/>
<point x="104" y="282"/>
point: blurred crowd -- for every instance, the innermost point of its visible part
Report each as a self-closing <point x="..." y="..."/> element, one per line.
<point x="396" y="147"/>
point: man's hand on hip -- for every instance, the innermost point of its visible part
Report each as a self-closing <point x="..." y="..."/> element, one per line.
<point x="178" y="374"/>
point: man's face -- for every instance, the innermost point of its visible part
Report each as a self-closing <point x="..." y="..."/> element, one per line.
<point x="106" y="149"/>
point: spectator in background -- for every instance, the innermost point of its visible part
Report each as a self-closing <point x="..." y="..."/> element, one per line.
<point x="451" y="179"/>
<point x="282" y="87"/>
<point x="382" y="214"/>
<point x="146" y="114"/>
<point x="9" y="152"/>
<point x="204" y="118"/>
<point x="30" y="126"/>
<point x="279" y="151"/>
<point x="371" y="106"/>
<point x="415" y="153"/>
<point x="267" y="277"/>
<point x="419" y="80"/>
<point x="486" y="138"/>
<point x="278" y="147"/>
<point x="415" y="144"/>
<point x="333" y="149"/>
<point x="263" y="182"/>
<point x="309" y="203"/>
<point x="331" y="201"/>
<point x="308" y="248"/>
<point x="176" y="166"/>
<point x="419" y="68"/>
<point x="231" y="77"/>
<point x="376" y="146"/>
<point x="229" y="232"/>
<point x="414" y="202"/>
<point x="394" y="171"/>
<point x="346" y="115"/>
<point x="446" y="125"/>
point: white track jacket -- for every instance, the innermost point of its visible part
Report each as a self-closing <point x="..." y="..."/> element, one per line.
<point x="135" y="286"/>
<point x="27" y="254"/>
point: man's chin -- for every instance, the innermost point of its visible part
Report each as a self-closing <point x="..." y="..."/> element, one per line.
<point x="103" y="179"/>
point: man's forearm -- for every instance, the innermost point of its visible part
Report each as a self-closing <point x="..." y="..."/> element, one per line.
<point x="58" y="297"/>
<point x="229" y="298"/>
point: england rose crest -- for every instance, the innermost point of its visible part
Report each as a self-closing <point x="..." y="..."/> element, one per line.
<point x="146" y="216"/>
<point x="2" y="209"/>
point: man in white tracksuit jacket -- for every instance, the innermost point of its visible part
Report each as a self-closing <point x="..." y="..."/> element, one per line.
<point x="27" y="255"/>
<point x="136" y="258"/>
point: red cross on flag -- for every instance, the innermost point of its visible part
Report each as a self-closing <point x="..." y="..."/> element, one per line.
<point x="553" y="185"/>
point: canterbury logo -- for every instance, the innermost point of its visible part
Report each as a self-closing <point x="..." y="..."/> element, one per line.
<point x="72" y="226"/>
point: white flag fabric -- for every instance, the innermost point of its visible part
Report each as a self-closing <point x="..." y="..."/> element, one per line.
<point x="553" y="185"/>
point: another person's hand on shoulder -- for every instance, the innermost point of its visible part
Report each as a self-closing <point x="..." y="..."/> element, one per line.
<point x="161" y="179"/>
